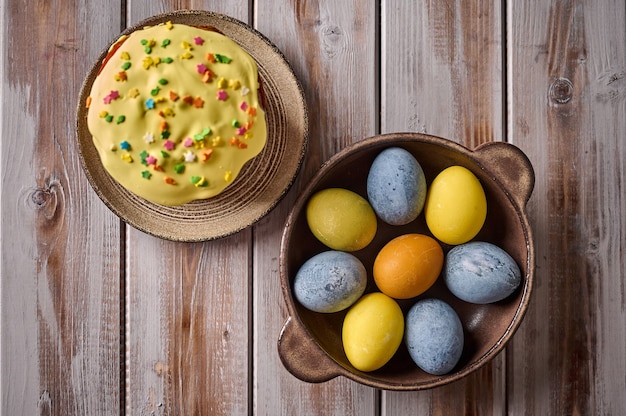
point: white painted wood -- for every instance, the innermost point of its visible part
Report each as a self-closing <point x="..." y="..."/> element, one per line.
<point x="188" y="332"/>
<point x="441" y="74"/>
<point x="331" y="47"/>
<point x="201" y="321"/>
<point x="568" y="356"/>
<point x="59" y="282"/>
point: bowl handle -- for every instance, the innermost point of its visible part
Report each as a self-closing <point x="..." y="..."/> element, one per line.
<point x="509" y="164"/>
<point x="302" y="356"/>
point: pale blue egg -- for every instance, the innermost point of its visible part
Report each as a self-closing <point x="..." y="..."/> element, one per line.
<point x="330" y="281"/>
<point x="396" y="186"/>
<point x="481" y="272"/>
<point x="434" y="336"/>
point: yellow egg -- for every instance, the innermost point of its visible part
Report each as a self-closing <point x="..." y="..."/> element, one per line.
<point x="408" y="265"/>
<point x="456" y="206"/>
<point x="372" y="331"/>
<point x="341" y="219"/>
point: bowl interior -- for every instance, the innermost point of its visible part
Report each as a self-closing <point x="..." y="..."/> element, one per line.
<point x="486" y="327"/>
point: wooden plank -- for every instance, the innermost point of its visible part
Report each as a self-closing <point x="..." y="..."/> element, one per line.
<point x="441" y="74"/>
<point x="60" y="245"/>
<point x="441" y="69"/>
<point x="567" y="95"/>
<point x="188" y="305"/>
<point x="330" y="46"/>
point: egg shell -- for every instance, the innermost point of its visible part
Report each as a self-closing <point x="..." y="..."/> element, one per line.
<point x="330" y="281"/>
<point x="456" y="206"/>
<point x="481" y="272"/>
<point x="434" y="336"/>
<point x="372" y="331"/>
<point x="396" y="186"/>
<point x="341" y="219"/>
<point x="408" y="265"/>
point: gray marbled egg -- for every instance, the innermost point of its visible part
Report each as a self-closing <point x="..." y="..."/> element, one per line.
<point x="434" y="336"/>
<point x="330" y="281"/>
<point x="481" y="272"/>
<point x="396" y="186"/>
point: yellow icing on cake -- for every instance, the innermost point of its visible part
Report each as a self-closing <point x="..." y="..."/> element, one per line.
<point x="175" y="113"/>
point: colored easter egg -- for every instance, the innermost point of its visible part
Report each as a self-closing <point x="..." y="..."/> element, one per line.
<point x="434" y="336"/>
<point x="408" y="265"/>
<point x="456" y="206"/>
<point x="372" y="331"/>
<point x="396" y="186"/>
<point x="341" y="219"/>
<point x="330" y="281"/>
<point x="481" y="272"/>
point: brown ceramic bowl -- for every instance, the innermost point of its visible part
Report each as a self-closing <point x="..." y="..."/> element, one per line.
<point x="310" y="343"/>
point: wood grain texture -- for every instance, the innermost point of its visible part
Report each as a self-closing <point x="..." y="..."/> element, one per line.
<point x="99" y="318"/>
<point x="188" y="333"/>
<point x="569" y="357"/>
<point x="60" y="282"/>
<point x="441" y="69"/>
<point x="441" y="74"/>
<point x="324" y="42"/>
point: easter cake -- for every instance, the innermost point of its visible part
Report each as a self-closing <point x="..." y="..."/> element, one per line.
<point x="175" y="112"/>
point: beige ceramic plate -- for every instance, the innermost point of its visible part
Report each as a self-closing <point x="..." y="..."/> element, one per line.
<point x="261" y="183"/>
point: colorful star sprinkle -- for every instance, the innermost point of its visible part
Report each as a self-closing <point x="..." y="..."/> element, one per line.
<point x="199" y="181"/>
<point x="169" y="145"/>
<point x="198" y="102"/>
<point x="198" y="40"/>
<point x="150" y="104"/>
<point x="222" y="58"/>
<point x="201" y="68"/>
<point x="200" y="136"/>
<point x="148" y="137"/>
<point x="179" y="168"/>
<point x="143" y="155"/>
<point x="124" y="145"/>
<point x="113" y="95"/>
<point x="222" y="95"/>
<point x="206" y="154"/>
<point x="190" y="156"/>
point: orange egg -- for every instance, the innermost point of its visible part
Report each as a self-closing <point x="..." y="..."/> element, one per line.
<point x="408" y="265"/>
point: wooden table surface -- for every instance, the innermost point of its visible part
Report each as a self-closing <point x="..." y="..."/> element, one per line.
<point x="100" y="319"/>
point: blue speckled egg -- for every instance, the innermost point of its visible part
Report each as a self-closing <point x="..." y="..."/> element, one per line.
<point x="481" y="272"/>
<point x="396" y="186"/>
<point x="330" y="281"/>
<point x="434" y="336"/>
